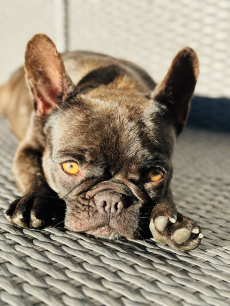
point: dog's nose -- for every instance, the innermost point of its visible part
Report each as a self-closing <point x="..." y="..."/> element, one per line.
<point x="110" y="202"/>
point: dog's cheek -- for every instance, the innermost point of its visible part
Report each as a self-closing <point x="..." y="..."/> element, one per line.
<point x="80" y="218"/>
<point x="55" y="177"/>
<point x="47" y="165"/>
<point x="155" y="190"/>
<point x="127" y="224"/>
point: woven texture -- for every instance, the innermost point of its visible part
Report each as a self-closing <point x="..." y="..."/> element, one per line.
<point x="58" y="267"/>
<point x="150" y="33"/>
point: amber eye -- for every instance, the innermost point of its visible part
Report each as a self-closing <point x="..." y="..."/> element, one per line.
<point x="70" y="167"/>
<point x="155" y="174"/>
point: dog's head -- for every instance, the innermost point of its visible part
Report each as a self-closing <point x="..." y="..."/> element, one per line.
<point x="109" y="147"/>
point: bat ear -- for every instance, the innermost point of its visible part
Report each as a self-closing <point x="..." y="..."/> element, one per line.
<point x="46" y="76"/>
<point x="176" y="89"/>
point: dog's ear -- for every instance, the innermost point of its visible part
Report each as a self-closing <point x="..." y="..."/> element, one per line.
<point x="176" y="90"/>
<point x="46" y="76"/>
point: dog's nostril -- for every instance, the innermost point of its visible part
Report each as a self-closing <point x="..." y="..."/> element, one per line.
<point x="114" y="208"/>
<point x="107" y="207"/>
<point x="111" y="203"/>
<point x="117" y="208"/>
<point x="101" y="203"/>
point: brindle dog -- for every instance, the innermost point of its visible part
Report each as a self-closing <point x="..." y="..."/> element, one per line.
<point x="96" y="150"/>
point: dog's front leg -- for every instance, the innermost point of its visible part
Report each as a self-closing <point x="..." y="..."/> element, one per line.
<point x="49" y="86"/>
<point x="170" y="227"/>
<point x="39" y="206"/>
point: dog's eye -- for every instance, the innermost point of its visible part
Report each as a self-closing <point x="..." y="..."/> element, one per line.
<point x="155" y="174"/>
<point x="70" y="167"/>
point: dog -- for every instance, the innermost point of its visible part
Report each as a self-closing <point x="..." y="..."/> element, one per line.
<point x="96" y="143"/>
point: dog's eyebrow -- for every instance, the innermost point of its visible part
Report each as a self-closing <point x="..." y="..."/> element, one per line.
<point x="153" y="162"/>
<point x="79" y="154"/>
<point x="150" y="159"/>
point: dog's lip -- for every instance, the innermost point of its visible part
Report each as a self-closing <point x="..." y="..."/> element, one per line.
<point x="103" y="231"/>
<point x="120" y="185"/>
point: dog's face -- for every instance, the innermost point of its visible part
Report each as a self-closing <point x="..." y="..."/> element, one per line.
<point x="110" y="160"/>
<point x="109" y="152"/>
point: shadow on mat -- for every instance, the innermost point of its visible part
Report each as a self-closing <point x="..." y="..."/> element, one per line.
<point x="210" y="114"/>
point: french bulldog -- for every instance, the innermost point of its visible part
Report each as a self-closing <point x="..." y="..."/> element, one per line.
<point x="96" y="143"/>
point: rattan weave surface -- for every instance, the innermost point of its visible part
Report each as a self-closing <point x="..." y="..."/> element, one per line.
<point x="57" y="267"/>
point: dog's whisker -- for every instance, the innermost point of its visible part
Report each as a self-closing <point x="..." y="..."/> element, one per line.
<point x="140" y="234"/>
<point x="58" y="224"/>
<point x="70" y="192"/>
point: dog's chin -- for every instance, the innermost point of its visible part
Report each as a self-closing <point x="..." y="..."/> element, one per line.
<point x="105" y="232"/>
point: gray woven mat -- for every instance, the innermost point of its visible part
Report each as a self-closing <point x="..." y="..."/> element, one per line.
<point x="57" y="267"/>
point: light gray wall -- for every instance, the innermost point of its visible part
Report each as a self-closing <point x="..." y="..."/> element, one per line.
<point x="148" y="32"/>
<point x="151" y="32"/>
<point x="19" y="21"/>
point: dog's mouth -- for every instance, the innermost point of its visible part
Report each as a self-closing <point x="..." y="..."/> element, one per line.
<point x="108" y="214"/>
<point x="94" y="221"/>
<point x="110" y="210"/>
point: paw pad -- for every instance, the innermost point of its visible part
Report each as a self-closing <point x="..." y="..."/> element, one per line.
<point x="177" y="231"/>
<point x="160" y="223"/>
<point x="181" y="235"/>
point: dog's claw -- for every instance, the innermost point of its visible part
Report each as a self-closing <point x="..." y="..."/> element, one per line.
<point x="181" y="235"/>
<point x="195" y="230"/>
<point x="201" y="236"/>
<point x="172" y="220"/>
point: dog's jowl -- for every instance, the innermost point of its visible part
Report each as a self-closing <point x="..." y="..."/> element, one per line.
<point x="96" y="142"/>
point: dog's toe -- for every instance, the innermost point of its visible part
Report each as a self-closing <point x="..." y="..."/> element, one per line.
<point x="156" y="234"/>
<point x="11" y="209"/>
<point x="186" y="235"/>
<point x="35" y="222"/>
<point x="19" y="219"/>
<point x="36" y="210"/>
<point x="179" y="232"/>
<point x="181" y="235"/>
<point x="161" y="223"/>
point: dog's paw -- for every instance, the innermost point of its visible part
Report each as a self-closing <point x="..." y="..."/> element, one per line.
<point x="179" y="232"/>
<point x="36" y="210"/>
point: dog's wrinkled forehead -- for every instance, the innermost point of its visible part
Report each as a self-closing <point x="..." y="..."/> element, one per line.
<point x="115" y="132"/>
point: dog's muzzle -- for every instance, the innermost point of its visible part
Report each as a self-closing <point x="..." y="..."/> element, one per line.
<point x="109" y="209"/>
<point x="111" y="197"/>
